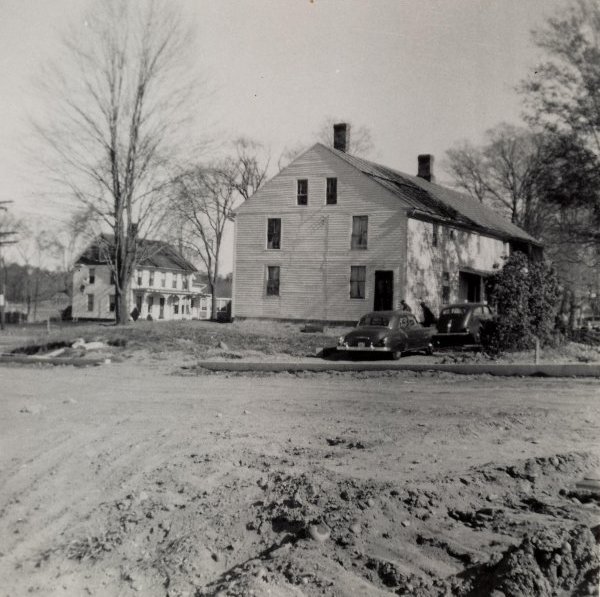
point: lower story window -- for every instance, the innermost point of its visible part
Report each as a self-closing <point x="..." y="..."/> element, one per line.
<point x="273" y="280"/>
<point x="112" y="303"/>
<point x="176" y="309"/>
<point x="445" y="288"/>
<point x="357" y="281"/>
<point x="90" y="302"/>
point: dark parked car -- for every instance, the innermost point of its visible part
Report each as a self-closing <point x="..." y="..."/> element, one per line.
<point x="392" y="332"/>
<point x="461" y="323"/>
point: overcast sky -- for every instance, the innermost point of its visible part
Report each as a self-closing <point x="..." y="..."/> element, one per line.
<point x="420" y="74"/>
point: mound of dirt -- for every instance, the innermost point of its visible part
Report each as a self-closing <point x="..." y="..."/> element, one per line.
<point x="549" y="562"/>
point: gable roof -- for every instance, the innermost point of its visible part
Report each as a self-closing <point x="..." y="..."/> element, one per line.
<point x="432" y="200"/>
<point x="153" y="253"/>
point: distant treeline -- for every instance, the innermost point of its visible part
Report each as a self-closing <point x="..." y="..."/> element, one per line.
<point x="26" y="284"/>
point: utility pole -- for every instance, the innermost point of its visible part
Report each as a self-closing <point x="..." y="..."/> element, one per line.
<point x="2" y="268"/>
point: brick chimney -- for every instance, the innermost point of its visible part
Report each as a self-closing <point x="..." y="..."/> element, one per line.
<point x="341" y="136"/>
<point x="426" y="167"/>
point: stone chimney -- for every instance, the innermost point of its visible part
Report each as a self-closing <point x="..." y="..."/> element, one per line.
<point x="341" y="136"/>
<point x="426" y="167"/>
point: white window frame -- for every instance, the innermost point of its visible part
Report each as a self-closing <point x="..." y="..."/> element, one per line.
<point x="280" y="232"/>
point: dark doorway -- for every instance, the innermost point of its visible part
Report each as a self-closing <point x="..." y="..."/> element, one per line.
<point x="469" y="287"/>
<point x="384" y="291"/>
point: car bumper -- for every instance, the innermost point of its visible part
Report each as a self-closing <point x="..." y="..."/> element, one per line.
<point x="364" y="348"/>
<point x="453" y="338"/>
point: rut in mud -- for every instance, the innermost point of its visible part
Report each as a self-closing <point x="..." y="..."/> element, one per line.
<point x="496" y="528"/>
<point x="126" y="481"/>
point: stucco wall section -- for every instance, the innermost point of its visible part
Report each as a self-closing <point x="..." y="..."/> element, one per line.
<point x="426" y="263"/>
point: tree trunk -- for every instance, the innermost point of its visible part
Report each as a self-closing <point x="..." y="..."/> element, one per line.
<point x="213" y="301"/>
<point x="122" y="303"/>
<point x="36" y="293"/>
<point x="573" y="308"/>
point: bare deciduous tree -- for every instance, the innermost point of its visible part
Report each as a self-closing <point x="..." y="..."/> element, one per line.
<point x="247" y="167"/>
<point x="503" y="173"/>
<point x="118" y="112"/>
<point x="203" y="204"/>
<point x="561" y="93"/>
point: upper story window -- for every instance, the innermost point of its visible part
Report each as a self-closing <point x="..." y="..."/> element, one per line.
<point x="331" y="191"/>
<point x="185" y="282"/>
<point x="174" y="282"/>
<point x="273" y="280"/>
<point x="360" y="226"/>
<point x="302" y="193"/>
<point x="92" y="275"/>
<point x="163" y="279"/>
<point x="113" y="278"/>
<point x="151" y="280"/>
<point x="139" y="278"/>
<point x="436" y="235"/>
<point x="274" y="233"/>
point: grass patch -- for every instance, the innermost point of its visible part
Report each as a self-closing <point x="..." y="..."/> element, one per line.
<point x="197" y="337"/>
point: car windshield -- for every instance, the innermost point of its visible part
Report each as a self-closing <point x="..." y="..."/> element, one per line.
<point x="374" y="320"/>
<point x="454" y="311"/>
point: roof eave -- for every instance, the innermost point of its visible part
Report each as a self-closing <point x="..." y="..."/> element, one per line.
<point x="430" y="217"/>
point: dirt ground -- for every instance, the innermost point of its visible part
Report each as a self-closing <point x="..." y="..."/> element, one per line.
<point x="134" y="479"/>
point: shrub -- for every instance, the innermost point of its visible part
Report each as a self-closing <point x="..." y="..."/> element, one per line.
<point x="525" y="294"/>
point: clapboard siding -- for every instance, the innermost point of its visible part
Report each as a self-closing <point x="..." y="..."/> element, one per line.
<point x="426" y="262"/>
<point x="315" y="255"/>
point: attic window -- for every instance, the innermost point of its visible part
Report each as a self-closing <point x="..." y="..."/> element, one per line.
<point x="331" y="191"/>
<point x="302" y="195"/>
<point x="92" y="275"/>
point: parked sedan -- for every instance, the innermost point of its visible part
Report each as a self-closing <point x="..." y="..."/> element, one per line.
<point x="391" y="332"/>
<point x="461" y="323"/>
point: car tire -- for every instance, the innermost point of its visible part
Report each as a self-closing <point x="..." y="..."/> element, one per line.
<point x="396" y="355"/>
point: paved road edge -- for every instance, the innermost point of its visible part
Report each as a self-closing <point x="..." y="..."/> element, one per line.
<point x="503" y="369"/>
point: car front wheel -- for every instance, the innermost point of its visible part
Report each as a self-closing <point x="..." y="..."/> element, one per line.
<point x="396" y="354"/>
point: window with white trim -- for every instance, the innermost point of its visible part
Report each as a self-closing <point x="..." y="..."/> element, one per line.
<point x="358" y="275"/>
<point x="274" y="233"/>
<point x="360" y="226"/>
<point x="273" y="274"/>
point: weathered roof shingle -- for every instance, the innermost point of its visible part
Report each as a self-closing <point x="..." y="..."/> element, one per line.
<point x="153" y="253"/>
<point x="436" y="201"/>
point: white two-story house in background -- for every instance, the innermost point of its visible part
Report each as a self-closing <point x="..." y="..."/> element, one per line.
<point x="163" y="286"/>
<point x="333" y="236"/>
